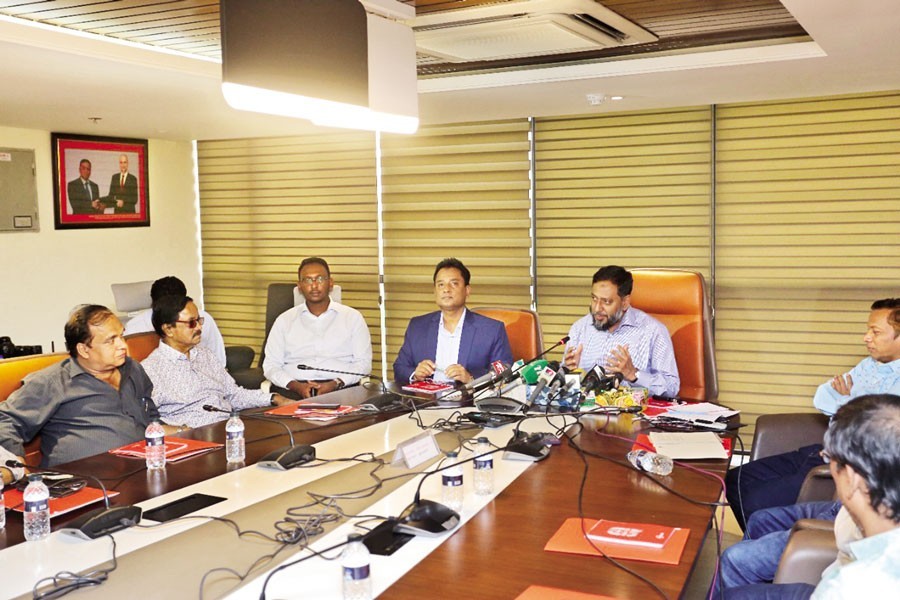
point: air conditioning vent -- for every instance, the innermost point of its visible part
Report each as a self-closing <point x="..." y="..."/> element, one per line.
<point x="522" y="28"/>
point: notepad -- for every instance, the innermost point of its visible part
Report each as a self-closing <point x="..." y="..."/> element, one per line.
<point x="688" y="445"/>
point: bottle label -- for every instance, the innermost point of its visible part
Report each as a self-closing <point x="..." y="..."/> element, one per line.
<point x="356" y="573"/>
<point x="453" y="480"/>
<point x="155" y="441"/>
<point x="37" y="505"/>
<point x="484" y="463"/>
<point x="234" y="435"/>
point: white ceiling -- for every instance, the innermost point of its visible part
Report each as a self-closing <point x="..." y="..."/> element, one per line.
<point x="56" y="81"/>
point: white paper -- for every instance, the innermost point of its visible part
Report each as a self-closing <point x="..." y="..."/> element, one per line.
<point x="688" y="445"/>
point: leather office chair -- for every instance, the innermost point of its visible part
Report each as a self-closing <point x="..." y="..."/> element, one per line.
<point x="809" y="551"/>
<point x="12" y="372"/>
<point x="131" y="298"/>
<point x="523" y="327"/>
<point x="140" y="345"/>
<point x="238" y="359"/>
<point x="680" y="301"/>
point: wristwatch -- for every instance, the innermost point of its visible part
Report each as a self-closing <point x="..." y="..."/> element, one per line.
<point x="340" y="384"/>
<point x="637" y="374"/>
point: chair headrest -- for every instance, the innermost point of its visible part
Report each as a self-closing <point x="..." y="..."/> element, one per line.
<point x="132" y="297"/>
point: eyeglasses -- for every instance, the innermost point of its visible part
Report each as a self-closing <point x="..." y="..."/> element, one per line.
<point x="826" y="457"/>
<point x="310" y="280"/>
<point x="192" y="323"/>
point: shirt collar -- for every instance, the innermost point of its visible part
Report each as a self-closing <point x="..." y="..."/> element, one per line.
<point x="172" y="354"/>
<point x="459" y="326"/>
<point x="305" y="309"/>
<point x="874" y="546"/>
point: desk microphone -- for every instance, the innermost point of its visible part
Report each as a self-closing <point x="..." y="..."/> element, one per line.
<point x="286" y="457"/>
<point x="312" y="368"/>
<point x="379" y="403"/>
<point x="98" y="522"/>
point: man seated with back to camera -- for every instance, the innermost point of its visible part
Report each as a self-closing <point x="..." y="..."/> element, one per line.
<point x="621" y="338"/>
<point x="320" y="333"/>
<point x="172" y="286"/>
<point x="95" y="400"/>
<point x="453" y="343"/>
<point x="186" y="375"/>
<point x="862" y="447"/>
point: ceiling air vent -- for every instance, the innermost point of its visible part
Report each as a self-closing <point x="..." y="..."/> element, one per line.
<point x="520" y="28"/>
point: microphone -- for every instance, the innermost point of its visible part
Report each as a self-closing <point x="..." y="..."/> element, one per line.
<point x="355" y="374"/>
<point x="97" y="522"/>
<point x="597" y="380"/>
<point x="381" y="402"/>
<point x="281" y="459"/>
<point x="548" y="375"/>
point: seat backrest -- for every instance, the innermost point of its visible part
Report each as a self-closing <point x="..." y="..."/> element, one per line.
<point x="523" y="327"/>
<point x="132" y="297"/>
<point x="140" y="345"/>
<point x="281" y="297"/>
<point x="12" y="372"/>
<point x="679" y="300"/>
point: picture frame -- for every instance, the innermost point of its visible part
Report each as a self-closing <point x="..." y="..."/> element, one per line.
<point x="90" y="188"/>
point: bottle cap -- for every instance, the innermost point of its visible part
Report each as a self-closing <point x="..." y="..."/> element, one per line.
<point x="452" y="454"/>
<point x="35" y="477"/>
<point x="354" y="537"/>
<point x="483" y="440"/>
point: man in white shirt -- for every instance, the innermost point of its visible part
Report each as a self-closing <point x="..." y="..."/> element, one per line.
<point x="187" y="376"/>
<point x="172" y="286"/>
<point x="331" y="338"/>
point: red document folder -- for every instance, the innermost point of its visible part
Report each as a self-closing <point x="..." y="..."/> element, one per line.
<point x="540" y="592"/>
<point x="176" y="449"/>
<point x="58" y="506"/>
<point x="643" y="443"/>
<point x="571" y="539"/>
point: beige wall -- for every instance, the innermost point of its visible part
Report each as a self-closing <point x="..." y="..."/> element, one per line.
<point x="45" y="274"/>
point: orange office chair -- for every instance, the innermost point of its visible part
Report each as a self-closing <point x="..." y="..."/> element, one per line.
<point x="523" y="327"/>
<point x="140" y="345"/>
<point x="679" y="300"/>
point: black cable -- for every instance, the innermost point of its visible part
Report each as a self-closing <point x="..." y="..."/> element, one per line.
<point x="262" y="593"/>
<point x="65" y="582"/>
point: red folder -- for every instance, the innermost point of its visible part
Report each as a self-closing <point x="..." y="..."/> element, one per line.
<point x="540" y="592"/>
<point x="176" y="449"/>
<point x="571" y="539"/>
<point x="58" y="506"/>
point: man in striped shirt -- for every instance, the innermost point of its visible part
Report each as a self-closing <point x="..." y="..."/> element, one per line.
<point x="621" y="338"/>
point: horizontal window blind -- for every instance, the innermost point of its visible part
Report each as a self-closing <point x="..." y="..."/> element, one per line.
<point x="455" y="190"/>
<point x="807" y="236"/>
<point x="631" y="189"/>
<point x="266" y="204"/>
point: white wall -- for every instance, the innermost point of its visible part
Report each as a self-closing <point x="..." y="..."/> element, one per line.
<point x="44" y="274"/>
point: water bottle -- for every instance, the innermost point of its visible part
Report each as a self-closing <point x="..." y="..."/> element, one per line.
<point x="484" y="468"/>
<point x="453" y="484"/>
<point x="37" y="509"/>
<point x="357" y="584"/>
<point x="2" y="507"/>
<point x="234" y="439"/>
<point x="651" y="462"/>
<point x="155" y="438"/>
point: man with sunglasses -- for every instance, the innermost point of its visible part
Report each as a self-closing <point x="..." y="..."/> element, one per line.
<point x="187" y="376"/>
<point x="318" y="333"/>
<point x="172" y="286"/>
<point x="96" y="399"/>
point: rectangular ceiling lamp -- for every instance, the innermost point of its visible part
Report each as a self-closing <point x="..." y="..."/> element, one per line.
<point x="332" y="62"/>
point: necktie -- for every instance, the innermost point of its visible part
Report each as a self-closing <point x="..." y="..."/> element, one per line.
<point x="87" y="190"/>
<point x="122" y="181"/>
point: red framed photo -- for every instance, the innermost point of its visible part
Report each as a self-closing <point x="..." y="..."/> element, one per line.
<point x="99" y="182"/>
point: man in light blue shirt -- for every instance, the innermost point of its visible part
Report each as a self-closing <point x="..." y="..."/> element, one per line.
<point x="621" y="338"/>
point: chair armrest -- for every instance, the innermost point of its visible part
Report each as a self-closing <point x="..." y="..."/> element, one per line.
<point x="238" y="358"/>
<point x="814" y="525"/>
<point x="780" y="433"/>
<point x="818" y="485"/>
<point x="807" y="554"/>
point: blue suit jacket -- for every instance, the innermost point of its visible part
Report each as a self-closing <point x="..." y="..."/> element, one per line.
<point x="483" y="341"/>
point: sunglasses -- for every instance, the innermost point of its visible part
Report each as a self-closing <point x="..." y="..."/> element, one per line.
<point x="192" y="323"/>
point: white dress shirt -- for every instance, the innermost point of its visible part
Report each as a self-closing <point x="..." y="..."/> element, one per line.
<point x="211" y="338"/>
<point x="447" y="348"/>
<point x="337" y="339"/>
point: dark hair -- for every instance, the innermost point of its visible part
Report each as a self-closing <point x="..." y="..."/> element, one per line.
<point x="167" y="286"/>
<point x="84" y="160"/>
<point x="894" y="305"/>
<point x="313" y="260"/>
<point x="165" y="311"/>
<point x="618" y="276"/>
<point x="78" y="327"/>
<point x="865" y="434"/>
<point x="452" y="263"/>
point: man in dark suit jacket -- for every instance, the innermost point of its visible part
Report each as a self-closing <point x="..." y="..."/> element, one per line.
<point x="84" y="194"/>
<point x="452" y="344"/>
<point x="123" y="189"/>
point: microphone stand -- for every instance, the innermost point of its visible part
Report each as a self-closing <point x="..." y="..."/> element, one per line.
<point x="97" y="522"/>
<point x="283" y="458"/>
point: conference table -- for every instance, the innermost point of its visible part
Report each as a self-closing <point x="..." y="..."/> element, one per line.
<point x="496" y="552"/>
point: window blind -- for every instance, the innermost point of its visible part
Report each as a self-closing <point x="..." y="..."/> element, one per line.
<point x="457" y="190"/>
<point x="266" y="204"/>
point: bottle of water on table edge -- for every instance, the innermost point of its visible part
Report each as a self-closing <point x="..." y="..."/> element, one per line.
<point x="484" y="468"/>
<point x="37" y="509"/>
<point x="658" y="464"/>
<point x="453" y="483"/>
<point x="155" y="439"/>
<point x="235" y="450"/>
<point x="356" y="579"/>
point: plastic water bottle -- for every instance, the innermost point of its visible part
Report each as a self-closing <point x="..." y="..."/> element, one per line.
<point x="155" y="438"/>
<point x="234" y="439"/>
<point x="484" y="468"/>
<point x="37" y="509"/>
<point x="2" y="507"/>
<point x="453" y="483"/>
<point x="651" y="462"/>
<point x="357" y="583"/>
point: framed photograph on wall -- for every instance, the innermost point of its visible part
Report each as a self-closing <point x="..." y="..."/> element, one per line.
<point x="99" y="182"/>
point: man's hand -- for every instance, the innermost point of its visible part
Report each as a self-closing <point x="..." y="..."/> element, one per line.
<point x="573" y="357"/>
<point x="97" y="205"/>
<point x="458" y="373"/>
<point x="173" y="429"/>
<point x="120" y="203"/>
<point x="323" y="387"/>
<point x="279" y="400"/>
<point x="302" y="388"/>
<point x="424" y="370"/>
<point x="619" y="361"/>
<point x="842" y="384"/>
<point x="6" y="472"/>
